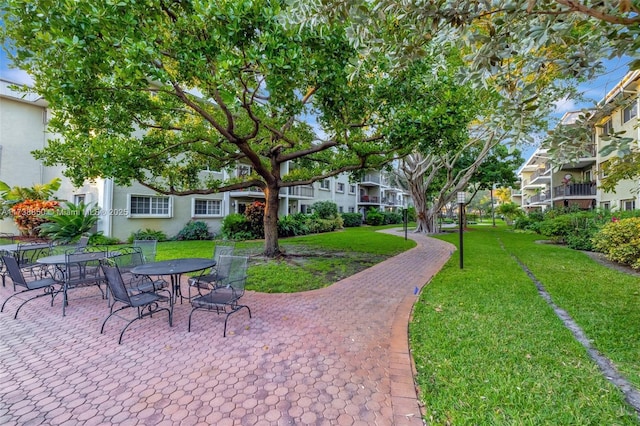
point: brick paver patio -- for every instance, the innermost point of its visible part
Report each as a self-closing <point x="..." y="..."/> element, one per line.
<point x="335" y="356"/>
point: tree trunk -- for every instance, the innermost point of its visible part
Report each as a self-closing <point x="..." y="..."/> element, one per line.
<point x="272" y="203"/>
<point x="417" y="190"/>
<point x="431" y="219"/>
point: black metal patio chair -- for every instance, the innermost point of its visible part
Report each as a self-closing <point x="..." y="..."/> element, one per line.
<point x="209" y="279"/>
<point x="149" y="248"/>
<point x="225" y="297"/>
<point x="47" y="285"/>
<point x="146" y="303"/>
<point x="82" y="269"/>
<point x="127" y="258"/>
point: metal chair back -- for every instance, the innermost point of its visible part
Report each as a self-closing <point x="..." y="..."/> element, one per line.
<point x="148" y="248"/>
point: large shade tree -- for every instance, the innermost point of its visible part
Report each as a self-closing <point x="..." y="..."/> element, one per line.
<point x="157" y="91"/>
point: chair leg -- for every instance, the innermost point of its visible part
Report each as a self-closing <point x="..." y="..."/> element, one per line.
<point x="110" y="315"/>
<point x="235" y="309"/>
<point x="192" y="311"/>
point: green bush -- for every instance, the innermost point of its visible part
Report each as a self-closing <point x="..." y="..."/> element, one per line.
<point x="576" y="229"/>
<point x="236" y="227"/>
<point x="351" y="219"/>
<point x="325" y="209"/>
<point x="557" y="227"/>
<point x="391" y="218"/>
<point x="292" y="225"/>
<point x="98" y="239"/>
<point x="194" y="230"/>
<point x="374" y="218"/>
<point x="619" y="241"/>
<point x="317" y="225"/>
<point x="147" y="234"/>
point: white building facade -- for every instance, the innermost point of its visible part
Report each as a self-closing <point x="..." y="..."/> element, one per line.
<point x="124" y="210"/>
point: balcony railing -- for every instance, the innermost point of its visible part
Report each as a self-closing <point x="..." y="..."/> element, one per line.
<point x="371" y="178"/>
<point x="299" y="191"/>
<point x="540" y="172"/>
<point x="392" y="201"/>
<point x="369" y="199"/>
<point x="575" y="190"/>
<point x="539" y="198"/>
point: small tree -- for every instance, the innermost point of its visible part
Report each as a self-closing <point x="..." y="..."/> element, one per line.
<point x="510" y="211"/>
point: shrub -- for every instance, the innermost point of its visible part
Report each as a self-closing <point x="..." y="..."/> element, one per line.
<point x="67" y="224"/>
<point x="325" y="209"/>
<point x="318" y="225"/>
<point x="194" y="230"/>
<point x="147" y="234"/>
<point x="236" y="227"/>
<point x="557" y="227"/>
<point x="292" y="225"/>
<point x="30" y="214"/>
<point x="391" y="218"/>
<point x="351" y="220"/>
<point x="619" y="241"/>
<point x="97" y="239"/>
<point x="254" y="213"/>
<point x="374" y="217"/>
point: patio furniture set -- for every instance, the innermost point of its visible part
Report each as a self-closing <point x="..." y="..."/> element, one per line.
<point x="127" y="277"/>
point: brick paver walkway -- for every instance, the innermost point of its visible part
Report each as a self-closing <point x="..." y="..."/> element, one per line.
<point x="335" y="356"/>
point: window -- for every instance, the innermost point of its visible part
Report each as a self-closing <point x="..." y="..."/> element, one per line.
<point x="324" y="184"/>
<point x="605" y="206"/>
<point x="603" y="168"/>
<point x="304" y="208"/>
<point x="352" y="210"/>
<point x="607" y="128"/>
<point x="207" y="207"/>
<point x="352" y="189"/>
<point x="146" y="205"/>
<point x="340" y="187"/>
<point x="340" y="209"/>
<point x="79" y="198"/>
<point x="628" y="204"/>
<point x="243" y="170"/>
<point x="630" y="112"/>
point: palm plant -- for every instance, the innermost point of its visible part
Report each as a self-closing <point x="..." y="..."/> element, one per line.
<point x="69" y="223"/>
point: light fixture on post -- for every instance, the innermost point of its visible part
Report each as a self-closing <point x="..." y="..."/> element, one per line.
<point x="461" y="203"/>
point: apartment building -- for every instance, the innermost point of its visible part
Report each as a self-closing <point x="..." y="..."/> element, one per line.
<point x="546" y="184"/>
<point x="23" y="128"/>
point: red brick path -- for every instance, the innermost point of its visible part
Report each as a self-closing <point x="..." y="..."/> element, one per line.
<point x="335" y="356"/>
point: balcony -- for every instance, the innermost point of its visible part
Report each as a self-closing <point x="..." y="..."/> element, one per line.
<point x="392" y="201"/>
<point x="575" y="190"/>
<point x="370" y="180"/>
<point x="252" y="192"/>
<point x="298" y="191"/>
<point x="541" y="176"/>
<point x="541" y="198"/>
<point x="369" y="199"/>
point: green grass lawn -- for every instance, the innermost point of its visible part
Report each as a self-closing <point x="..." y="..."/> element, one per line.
<point x="311" y="262"/>
<point x="489" y="350"/>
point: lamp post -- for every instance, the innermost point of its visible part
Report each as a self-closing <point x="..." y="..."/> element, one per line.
<point x="461" y="202"/>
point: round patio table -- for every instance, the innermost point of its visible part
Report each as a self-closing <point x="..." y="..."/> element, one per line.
<point x="174" y="268"/>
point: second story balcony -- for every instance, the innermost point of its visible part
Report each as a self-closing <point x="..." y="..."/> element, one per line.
<point x="252" y="192"/>
<point x="370" y="199"/>
<point x="575" y="190"/>
<point x="298" y="191"/>
<point x="543" y="197"/>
